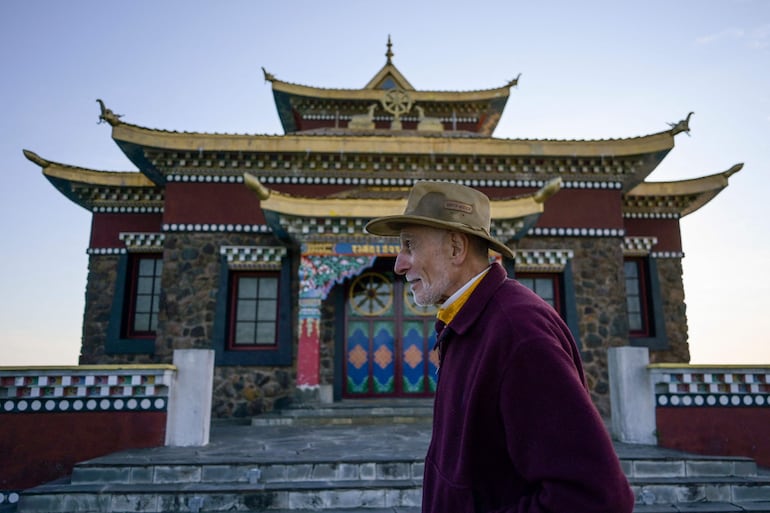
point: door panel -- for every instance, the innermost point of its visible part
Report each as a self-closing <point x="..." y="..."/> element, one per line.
<point x="388" y="340"/>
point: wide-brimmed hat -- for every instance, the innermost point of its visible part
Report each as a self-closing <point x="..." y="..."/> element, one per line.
<point x="445" y="205"/>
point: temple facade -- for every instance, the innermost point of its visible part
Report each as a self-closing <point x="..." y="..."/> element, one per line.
<point x="253" y="245"/>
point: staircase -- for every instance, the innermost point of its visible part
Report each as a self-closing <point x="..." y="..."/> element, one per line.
<point x="351" y="458"/>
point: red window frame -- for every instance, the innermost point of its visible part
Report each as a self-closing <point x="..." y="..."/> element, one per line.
<point x="637" y="296"/>
<point x="240" y="302"/>
<point x="143" y="287"/>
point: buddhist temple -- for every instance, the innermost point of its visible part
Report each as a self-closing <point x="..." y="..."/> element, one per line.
<point x="253" y="245"/>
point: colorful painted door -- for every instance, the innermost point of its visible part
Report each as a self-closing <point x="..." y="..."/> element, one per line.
<point x="388" y="340"/>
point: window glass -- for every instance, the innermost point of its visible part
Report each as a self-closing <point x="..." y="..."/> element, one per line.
<point x="545" y="285"/>
<point x="144" y="294"/>
<point x="636" y="301"/>
<point x="254" y="318"/>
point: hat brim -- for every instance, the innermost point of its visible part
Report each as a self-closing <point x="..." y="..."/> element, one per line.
<point x="391" y="226"/>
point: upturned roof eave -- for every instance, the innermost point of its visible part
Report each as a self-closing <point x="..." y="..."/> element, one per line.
<point x="369" y="94"/>
<point x="134" y="136"/>
<point x="87" y="176"/>
<point x="66" y="178"/>
<point x="367" y="208"/>
<point x="700" y="191"/>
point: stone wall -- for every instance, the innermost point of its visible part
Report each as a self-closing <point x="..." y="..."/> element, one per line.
<point x="675" y="312"/>
<point x="189" y="285"/>
<point x="100" y="289"/>
<point x="247" y="391"/>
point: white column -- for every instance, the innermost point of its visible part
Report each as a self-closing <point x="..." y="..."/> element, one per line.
<point x="188" y="420"/>
<point x="632" y="396"/>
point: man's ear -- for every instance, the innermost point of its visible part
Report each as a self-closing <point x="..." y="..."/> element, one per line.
<point x="460" y="245"/>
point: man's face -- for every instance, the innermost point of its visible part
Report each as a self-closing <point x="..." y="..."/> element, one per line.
<point x="424" y="261"/>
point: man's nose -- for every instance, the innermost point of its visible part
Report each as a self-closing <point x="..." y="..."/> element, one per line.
<point x="401" y="265"/>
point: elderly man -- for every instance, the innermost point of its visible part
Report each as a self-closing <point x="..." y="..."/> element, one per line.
<point x="514" y="428"/>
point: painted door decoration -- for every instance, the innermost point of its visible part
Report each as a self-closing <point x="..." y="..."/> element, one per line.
<point x="388" y="340"/>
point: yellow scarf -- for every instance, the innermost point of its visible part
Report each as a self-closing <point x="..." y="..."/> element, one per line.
<point x="447" y="314"/>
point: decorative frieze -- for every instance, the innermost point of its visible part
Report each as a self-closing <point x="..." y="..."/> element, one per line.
<point x="128" y="210"/>
<point x="253" y="257"/>
<point x="207" y="178"/>
<point x="642" y="246"/>
<point x="666" y="205"/>
<point x="667" y="254"/>
<point x="106" y="251"/>
<point x="543" y="260"/>
<point x="576" y="232"/>
<point x="124" y="199"/>
<point x="82" y="389"/>
<point x="385" y="181"/>
<point x="205" y="227"/>
<point x="319" y="273"/>
<point x="356" y="167"/>
<point x="711" y="386"/>
<point x="638" y="246"/>
<point x="651" y="215"/>
<point x="143" y="242"/>
<point x="308" y="227"/>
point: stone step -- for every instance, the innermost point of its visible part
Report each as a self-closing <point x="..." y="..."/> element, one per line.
<point x="206" y="497"/>
<point x="325" y="485"/>
<point x="692" y="490"/>
<point x="254" y="473"/>
<point x="653" y="495"/>
<point x="350" y="413"/>
<point x="356" y="468"/>
<point x="704" y="507"/>
<point x="639" y="467"/>
<point x="641" y="471"/>
<point x="344" y="497"/>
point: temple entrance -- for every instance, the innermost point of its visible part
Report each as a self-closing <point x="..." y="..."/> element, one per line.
<point x="389" y="340"/>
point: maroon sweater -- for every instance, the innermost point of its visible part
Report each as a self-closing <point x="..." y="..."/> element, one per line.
<point x="514" y="428"/>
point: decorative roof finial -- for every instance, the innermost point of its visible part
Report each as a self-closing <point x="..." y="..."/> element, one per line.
<point x="107" y="115"/>
<point x="389" y="53"/>
<point x="681" y="126"/>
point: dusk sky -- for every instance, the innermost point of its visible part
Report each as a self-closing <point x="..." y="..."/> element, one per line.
<point x="589" y="70"/>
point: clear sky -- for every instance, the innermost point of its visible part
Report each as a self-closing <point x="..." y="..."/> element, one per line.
<point x="590" y="70"/>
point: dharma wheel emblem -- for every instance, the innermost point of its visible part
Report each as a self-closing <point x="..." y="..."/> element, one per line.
<point x="397" y="102"/>
<point x="371" y="294"/>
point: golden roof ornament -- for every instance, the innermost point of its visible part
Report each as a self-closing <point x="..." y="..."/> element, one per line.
<point x="107" y="115"/>
<point x="389" y="53"/>
<point x="681" y="126"/>
<point x="514" y="82"/>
